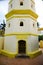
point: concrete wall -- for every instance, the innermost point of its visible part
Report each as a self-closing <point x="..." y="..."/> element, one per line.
<point x="11" y="43"/>
<point x="27" y="25"/>
<point x="16" y="5"/>
<point x="33" y="43"/>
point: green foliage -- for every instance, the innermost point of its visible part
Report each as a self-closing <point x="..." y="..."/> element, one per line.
<point x="40" y="37"/>
<point x="38" y="24"/>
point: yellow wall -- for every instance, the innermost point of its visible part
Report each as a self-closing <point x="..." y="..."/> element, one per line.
<point x="1" y="42"/>
<point x="41" y="43"/>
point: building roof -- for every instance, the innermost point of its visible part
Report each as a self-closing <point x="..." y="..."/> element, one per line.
<point x="40" y="29"/>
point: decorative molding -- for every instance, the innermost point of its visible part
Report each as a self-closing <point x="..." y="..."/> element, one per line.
<point x="22" y="12"/>
<point x="18" y="16"/>
<point x="10" y="34"/>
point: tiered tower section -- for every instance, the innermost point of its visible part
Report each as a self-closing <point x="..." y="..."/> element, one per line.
<point x="21" y="28"/>
<point x="22" y="11"/>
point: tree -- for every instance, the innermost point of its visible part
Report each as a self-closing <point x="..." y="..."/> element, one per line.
<point x="40" y="37"/>
<point x="3" y="25"/>
<point x="38" y="24"/>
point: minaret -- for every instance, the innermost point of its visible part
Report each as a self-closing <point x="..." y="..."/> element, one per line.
<point x="21" y="5"/>
<point x="21" y="28"/>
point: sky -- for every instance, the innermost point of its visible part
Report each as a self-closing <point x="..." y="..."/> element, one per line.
<point x="38" y="7"/>
<point x="3" y="9"/>
<point x="39" y="11"/>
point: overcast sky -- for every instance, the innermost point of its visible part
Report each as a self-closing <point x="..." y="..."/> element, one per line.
<point x="39" y="10"/>
<point x="3" y="9"/>
<point x="38" y="6"/>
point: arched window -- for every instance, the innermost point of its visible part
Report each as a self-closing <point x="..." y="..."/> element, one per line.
<point x="11" y="5"/>
<point x="33" y="24"/>
<point x="31" y="5"/>
<point x="21" y="23"/>
<point x="21" y="3"/>
<point x="9" y="25"/>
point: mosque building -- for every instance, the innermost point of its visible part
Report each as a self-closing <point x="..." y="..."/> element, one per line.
<point x="21" y="32"/>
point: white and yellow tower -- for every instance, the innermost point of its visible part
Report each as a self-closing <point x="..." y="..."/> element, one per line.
<point x="21" y="29"/>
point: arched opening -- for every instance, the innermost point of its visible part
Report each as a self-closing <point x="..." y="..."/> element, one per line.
<point x="21" y="23"/>
<point x="21" y="3"/>
<point x="22" y="47"/>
